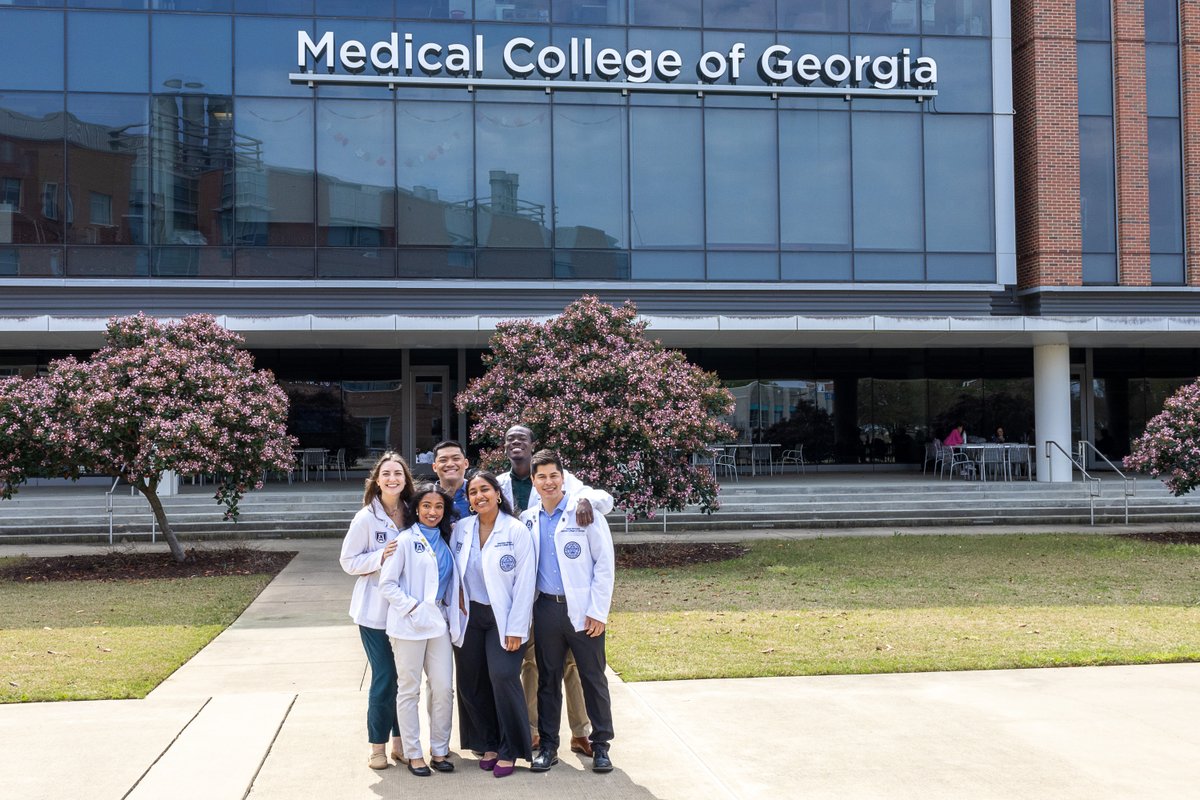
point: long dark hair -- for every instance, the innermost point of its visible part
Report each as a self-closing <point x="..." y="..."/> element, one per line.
<point x="446" y="525"/>
<point x="372" y="490"/>
<point x="491" y="478"/>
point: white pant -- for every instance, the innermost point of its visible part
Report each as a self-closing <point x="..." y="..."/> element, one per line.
<point x="435" y="656"/>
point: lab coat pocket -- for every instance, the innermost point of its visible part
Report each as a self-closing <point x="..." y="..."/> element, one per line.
<point x="427" y="618"/>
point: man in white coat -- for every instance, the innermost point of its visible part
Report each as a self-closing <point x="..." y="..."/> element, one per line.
<point x="575" y="570"/>
<point x="517" y="486"/>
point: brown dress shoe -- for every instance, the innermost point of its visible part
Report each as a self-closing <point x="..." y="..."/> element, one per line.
<point x="537" y="743"/>
<point x="580" y="744"/>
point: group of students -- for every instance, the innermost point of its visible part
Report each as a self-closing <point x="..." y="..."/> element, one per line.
<point x="451" y="579"/>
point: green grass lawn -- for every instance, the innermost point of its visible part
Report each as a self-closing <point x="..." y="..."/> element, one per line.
<point x="89" y="640"/>
<point x="909" y="604"/>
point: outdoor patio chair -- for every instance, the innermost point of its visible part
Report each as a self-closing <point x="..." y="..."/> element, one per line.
<point x="962" y="463"/>
<point x="337" y="462"/>
<point x="931" y="456"/>
<point x="793" y="457"/>
<point x="761" y="454"/>
<point x="994" y="463"/>
<point x="726" y="463"/>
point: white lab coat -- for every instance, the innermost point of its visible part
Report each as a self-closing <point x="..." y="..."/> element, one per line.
<point x="509" y="571"/>
<point x="602" y="502"/>
<point x="362" y="555"/>
<point x="585" y="561"/>
<point x="409" y="582"/>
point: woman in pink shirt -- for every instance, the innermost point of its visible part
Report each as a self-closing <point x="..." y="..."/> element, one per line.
<point x="956" y="437"/>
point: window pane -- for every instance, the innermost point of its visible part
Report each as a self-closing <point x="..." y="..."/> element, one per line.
<point x="31" y="157"/>
<point x="958" y="17"/>
<point x="741" y="172"/>
<point x="590" y="183"/>
<point x="433" y="9"/>
<point x="192" y="54"/>
<point x="958" y="183"/>
<point x="814" y="178"/>
<point x="435" y="173"/>
<point x="1162" y="80"/>
<point x="683" y="13"/>
<point x="606" y="265"/>
<point x="108" y="163"/>
<point x="108" y="52"/>
<point x="1166" y="269"/>
<point x="819" y="267"/>
<point x="743" y="266"/>
<point x="274" y="262"/>
<point x="673" y="266"/>
<point x="969" y="62"/>
<point x="743" y="14"/>
<point x="884" y="16"/>
<point x="1099" y="269"/>
<point x="1166" y="186"/>
<point x="528" y="264"/>
<point x="354" y="8"/>
<point x="512" y="175"/>
<point x="513" y="11"/>
<point x="275" y="176"/>
<point x="266" y="53"/>
<point x="887" y="182"/>
<point x="668" y="189"/>
<point x="1095" y="79"/>
<point x="960" y="268"/>
<point x="589" y="12"/>
<point x="275" y="6"/>
<point x="813" y="15"/>
<point x="889" y="267"/>
<point x="193" y="164"/>
<point x="108" y="262"/>
<point x="355" y="175"/>
<point x="1093" y="19"/>
<point x="1162" y="23"/>
<point x="26" y="38"/>
<point x="1097" y="198"/>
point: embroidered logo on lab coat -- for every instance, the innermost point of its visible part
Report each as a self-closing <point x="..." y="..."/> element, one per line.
<point x="381" y="536"/>
<point x="420" y="547"/>
<point x="572" y="549"/>
<point x="508" y="563"/>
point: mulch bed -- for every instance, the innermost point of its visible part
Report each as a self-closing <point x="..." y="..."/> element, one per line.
<point x="1166" y="537"/>
<point x="124" y="565"/>
<point x="675" y="554"/>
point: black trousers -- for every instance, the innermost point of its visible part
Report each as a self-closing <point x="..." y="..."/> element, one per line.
<point x="491" y="701"/>
<point x="553" y="636"/>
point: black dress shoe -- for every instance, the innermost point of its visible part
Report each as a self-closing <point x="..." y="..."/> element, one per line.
<point x="543" y="761"/>
<point x="443" y="765"/>
<point x="600" y="760"/>
<point x="421" y="772"/>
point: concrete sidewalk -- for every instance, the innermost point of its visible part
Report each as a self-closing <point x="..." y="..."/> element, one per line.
<point x="274" y="709"/>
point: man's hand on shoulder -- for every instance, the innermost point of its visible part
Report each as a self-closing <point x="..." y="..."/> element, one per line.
<point x="583" y="512"/>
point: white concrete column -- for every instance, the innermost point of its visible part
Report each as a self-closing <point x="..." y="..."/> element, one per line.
<point x="1052" y="410"/>
<point x="168" y="483"/>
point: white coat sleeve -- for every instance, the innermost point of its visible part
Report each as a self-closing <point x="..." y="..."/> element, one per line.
<point x="603" y="572"/>
<point x="602" y="502"/>
<point x="520" y="615"/>
<point x="389" y="583"/>
<point x="357" y="556"/>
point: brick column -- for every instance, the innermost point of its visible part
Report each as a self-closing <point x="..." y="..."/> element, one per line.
<point x="1132" y="147"/>
<point x="1189" y="50"/>
<point x="1046" y="143"/>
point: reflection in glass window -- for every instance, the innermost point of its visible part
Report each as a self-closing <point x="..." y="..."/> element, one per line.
<point x="1097" y="197"/>
<point x="814" y="179"/>
<point x="108" y="52"/>
<point x="354" y="8"/>
<point x="31" y="150"/>
<point x="958" y="183"/>
<point x="191" y="178"/>
<point x="192" y="54"/>
<point x="265" y="53"/>
<point x="434" y="173"/>
<point x="108" y="162"/>
<point x="666" y="159"/>
<point x="1166" y="186"/>
<point x="886" y="149"/>
<point x="1093" y="20"/>
<point x="513" y="10"/>
<point x="433" y="9"/>
<point x="273" y="153"/>
<point x="512" y="175"/>
<point x="1162" y="80"/>
<point x="746" y="14"/>
<point x="956" y="17"/>
<point x="26" y="37"/>
<point x="1162" y="22"/>
<point x="813" y="15"/>
<point x="589" y="12"/>
<point x="682" y="13"/>
<point x="884" y="16"/>
<point x="590" y="169"/>
<point x="1095" y="78"/>
<point x="741" y="178"/>
<point x="355" y="173"/>
<point x="970" y="62"/>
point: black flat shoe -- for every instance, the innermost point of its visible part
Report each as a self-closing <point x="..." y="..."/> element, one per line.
<point x="543" y="761"/>
<point x="420" y="772"/>
<point x="444" y="765"/>
<point x="600" y="760"/>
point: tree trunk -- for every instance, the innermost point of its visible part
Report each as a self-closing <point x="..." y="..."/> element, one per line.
<point x="150" y="490"/>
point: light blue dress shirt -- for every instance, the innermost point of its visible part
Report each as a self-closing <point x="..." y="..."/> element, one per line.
<point x="549" y="579"/>
<point x="445" y="560"/>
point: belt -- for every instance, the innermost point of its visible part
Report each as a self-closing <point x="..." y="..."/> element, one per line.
<point x="558" y="598"/>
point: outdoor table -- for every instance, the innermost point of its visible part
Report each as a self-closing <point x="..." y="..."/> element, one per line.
<point x="311" y="457"/>
<point x="978" y="455"/>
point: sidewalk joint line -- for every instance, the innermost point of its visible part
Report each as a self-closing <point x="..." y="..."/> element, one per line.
<point x="270" y="746"/>
<point x="170" y="744"/>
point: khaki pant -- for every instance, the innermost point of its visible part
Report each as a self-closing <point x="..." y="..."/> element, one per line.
<point x="572" y="691"/>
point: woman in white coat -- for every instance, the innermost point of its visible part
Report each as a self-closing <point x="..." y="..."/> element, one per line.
<point x="420" y="584"/>
<point x="497" y="569"/>
<point x="369" y="543"/>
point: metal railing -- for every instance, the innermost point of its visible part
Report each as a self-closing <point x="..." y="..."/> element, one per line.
<point x="1130" y="484"/>
<point x="108" y="509"/>
<point x="1092" y="483"/>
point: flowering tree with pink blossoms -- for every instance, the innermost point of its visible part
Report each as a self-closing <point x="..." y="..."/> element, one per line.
<point x="158" y="396"/>
<point x="625" y="413"/>
<point x="1170" y="447"/>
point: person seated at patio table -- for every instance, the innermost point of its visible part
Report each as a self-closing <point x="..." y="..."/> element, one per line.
<point x="998" y="437"/>
<point x="957" y="436"/>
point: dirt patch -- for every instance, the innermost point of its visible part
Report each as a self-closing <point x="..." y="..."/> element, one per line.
<point x="675" y="554"/>
<point x="1165" y="537"/>
<point x="127" y="565"/>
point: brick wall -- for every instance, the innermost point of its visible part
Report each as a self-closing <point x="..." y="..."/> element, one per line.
<point x="1131" y="133"/>
<point x="1046" y="142"/>
<point x="1190" y="61"/>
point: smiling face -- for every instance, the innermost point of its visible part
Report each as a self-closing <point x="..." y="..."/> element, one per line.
<point x="483" y="497"/>
<point x="391" y="482"/>
<point x="430" y="509"/>
<point x="449" y="465"/>
<point x="518" y="446"/>
<point x="548" y="480"/>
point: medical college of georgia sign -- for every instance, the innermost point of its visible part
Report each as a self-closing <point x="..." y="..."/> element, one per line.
<point x="581" y="66"/>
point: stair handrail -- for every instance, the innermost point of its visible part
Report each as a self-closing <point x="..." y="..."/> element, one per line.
<point x="1130" y="483"/>
<point x="1093" y="484"/>
<point x="108" y="506"/>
